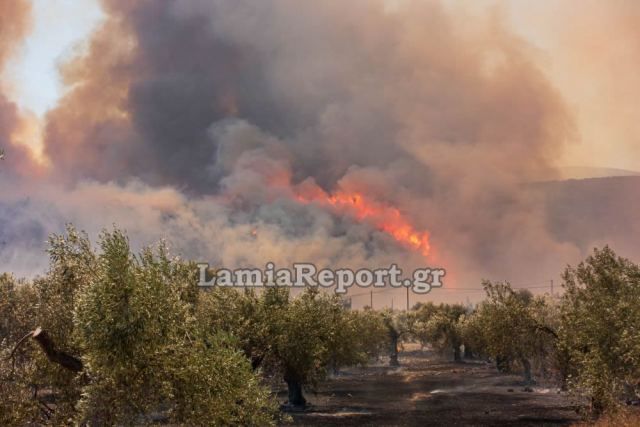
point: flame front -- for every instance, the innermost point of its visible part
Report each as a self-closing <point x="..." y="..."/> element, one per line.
<point x="383" y="217"/>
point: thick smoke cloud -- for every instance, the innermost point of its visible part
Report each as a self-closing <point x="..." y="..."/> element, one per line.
<point x="200" y="122"/>
<point x="343" y="85"/>
<point x="14" y="25"/>
<point x="593" y="54"/>
<point x="14" y="17"/>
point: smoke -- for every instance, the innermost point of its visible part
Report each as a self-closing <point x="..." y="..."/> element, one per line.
<point x="593" y="53"/>
<point x="200" y="121"/>
<point x="14" y="17"/>
<point x="14" y="25"/>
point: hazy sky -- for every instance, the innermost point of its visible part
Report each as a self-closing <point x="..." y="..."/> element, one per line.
<point x="59" y="26"/>
<point x="206" y="122"/>
<point x="591" y="51"/>
<point x="584" y="47"/>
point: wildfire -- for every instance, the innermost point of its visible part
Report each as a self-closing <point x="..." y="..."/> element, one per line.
<point x="382" y="216"/>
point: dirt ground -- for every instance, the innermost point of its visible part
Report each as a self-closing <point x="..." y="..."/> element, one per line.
<point x="428" y="391"/>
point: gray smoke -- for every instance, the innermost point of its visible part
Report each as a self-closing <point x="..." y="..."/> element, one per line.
<point x="199" y="121"/>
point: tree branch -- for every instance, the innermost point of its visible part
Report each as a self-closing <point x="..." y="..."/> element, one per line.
<point x="548" y="330"/>
<point x="61" y="358"/>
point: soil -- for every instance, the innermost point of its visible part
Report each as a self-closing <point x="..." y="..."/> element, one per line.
<point x="429" y="391"/>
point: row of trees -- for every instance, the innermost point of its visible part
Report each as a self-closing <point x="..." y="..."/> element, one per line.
<point x="126" y="339"/>
<point x="111" y="336"/>
<point x="587" y="339"/>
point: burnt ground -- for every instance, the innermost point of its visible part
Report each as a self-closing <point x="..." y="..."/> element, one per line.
<point x="429" y="391"/>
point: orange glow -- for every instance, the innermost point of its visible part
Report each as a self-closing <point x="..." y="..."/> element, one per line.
<point x="28" y="133"/>
<point x="383" y="217"/>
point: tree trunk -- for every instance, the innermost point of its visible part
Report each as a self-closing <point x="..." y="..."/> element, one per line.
<point x="597" y="406"/>
<point x="527" y="370"/>
<point x="456" y="353"/>
<point x="393" y="356"/>
<point x="502" y="364"/>
<point x="256" y="361"/>
<point x="296" y="398"/>
<point x="468" y="352"/>
<point x="564" y="370"/>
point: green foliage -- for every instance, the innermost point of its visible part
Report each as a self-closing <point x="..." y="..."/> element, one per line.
<point x="17" y="312"/>
<point x="132" y="321"/>
<point x="600" y="328"/>
<point x="511" y="326"/>
<point x="243" y="315"/>
<point x="444" y="328"/>
<point x="368" y="334"/>
<point x="48" y="301"/>
<point x="441" y="326"/>
<point x="156" y="349"/>
<point x="17" y="308"/>
<point x="418" y="318"/>
<point x="298" y="338"/>
<point x="145" y="353"/>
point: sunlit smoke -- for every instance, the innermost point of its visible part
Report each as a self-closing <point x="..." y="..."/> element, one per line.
<point x="383" y="217"/>
<point x="421" y="131"/>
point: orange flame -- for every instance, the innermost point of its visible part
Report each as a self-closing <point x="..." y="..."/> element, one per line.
<point x="384" y="217"/>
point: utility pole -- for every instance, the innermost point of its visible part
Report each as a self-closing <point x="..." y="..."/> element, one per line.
<point x="371" y="302"/>
<point x="391" y="303"/>
<point x="551" y="287"/>
<point x="407" y="299"/>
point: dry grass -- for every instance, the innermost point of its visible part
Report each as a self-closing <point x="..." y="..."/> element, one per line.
<point x="621" y="419"/>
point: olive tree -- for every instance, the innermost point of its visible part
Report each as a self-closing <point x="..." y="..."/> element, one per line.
<point x="417" y="319"/>
<point x="600" y="328"/>
<point x="47" y="301"/>
<point x="17" y="311"/>
<point x="369" y="333"/>
<point x="298" y="338"/>
<point x="444" y="328"/>
<point x="512" y="327"/>
<point x="122" y="345"/>
<point x="145" y="352"/>
<point x="398" y="329"/>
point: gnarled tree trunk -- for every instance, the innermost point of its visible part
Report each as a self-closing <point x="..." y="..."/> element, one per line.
<point x="294" y="386"/>
<point x="393" y="350"/>
<point x="456" y="353"/>
<point x="502" y="364"/>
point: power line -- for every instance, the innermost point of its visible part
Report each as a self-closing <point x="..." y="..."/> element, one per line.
<point x="482" y="289"/>
<point x="373" y="292"/>
<point x="517" y="287"/>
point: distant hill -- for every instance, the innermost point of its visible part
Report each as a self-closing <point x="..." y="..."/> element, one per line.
<point x="584" y="172"/>
<point x="594" y="210"/>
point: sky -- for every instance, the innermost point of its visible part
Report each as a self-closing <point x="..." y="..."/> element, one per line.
<point x="589" y="49"/>
<point x="566" y="39"/>
<point x="334" y="132"/>
<point x="59" y="28"/>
